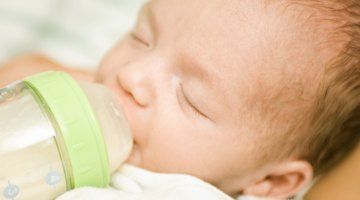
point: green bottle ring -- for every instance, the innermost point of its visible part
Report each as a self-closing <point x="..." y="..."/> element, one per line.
<point x="78" y="127"/>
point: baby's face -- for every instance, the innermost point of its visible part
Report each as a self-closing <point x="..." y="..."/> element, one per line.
<point x="187" y="76"/>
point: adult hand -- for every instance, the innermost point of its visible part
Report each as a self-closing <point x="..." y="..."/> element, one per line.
<point x="23" y="66"/>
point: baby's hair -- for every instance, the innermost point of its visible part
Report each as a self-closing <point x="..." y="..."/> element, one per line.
<point x="336" y="118"/>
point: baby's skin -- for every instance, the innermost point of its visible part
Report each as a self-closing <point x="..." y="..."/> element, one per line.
<point x="200" y="82"/>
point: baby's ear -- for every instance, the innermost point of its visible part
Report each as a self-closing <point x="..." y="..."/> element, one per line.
<point x="282" y="181"/>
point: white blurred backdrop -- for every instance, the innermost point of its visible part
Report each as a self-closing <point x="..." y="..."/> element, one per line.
<point x="72" y="32"/>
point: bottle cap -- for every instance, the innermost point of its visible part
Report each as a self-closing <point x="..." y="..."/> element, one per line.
<point x="78" y="133"/>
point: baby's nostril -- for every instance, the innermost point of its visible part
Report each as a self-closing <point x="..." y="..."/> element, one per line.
<point x="140" y="98"/>
<point x="136" y="89"/>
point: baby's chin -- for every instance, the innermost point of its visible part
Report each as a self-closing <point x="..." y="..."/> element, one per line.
<point x="134" y="157"/>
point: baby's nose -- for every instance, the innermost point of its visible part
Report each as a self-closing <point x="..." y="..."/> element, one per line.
<point x="136" y="81"/>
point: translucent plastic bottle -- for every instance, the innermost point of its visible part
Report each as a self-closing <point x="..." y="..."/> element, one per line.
<point x="56" y="135"/>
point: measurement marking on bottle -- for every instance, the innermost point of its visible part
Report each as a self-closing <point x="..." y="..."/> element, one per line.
<point x="11" y="191"/>
<point x="53" y="178"/>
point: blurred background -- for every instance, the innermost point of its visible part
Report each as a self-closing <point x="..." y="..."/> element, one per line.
<point x="72" y="32"/>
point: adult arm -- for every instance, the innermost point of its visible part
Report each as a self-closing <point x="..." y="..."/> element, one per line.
<point x="26" y="65"/>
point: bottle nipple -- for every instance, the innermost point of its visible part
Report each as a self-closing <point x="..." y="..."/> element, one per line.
<point x="112" y="120"/>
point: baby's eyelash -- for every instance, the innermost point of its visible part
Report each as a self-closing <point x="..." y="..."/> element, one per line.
<point x="139" y="39"/>
<point x="195" y="110"/>
<point x="190" y="105"/>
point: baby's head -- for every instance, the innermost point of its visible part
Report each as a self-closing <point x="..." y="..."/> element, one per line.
<point x="253" y="96"/>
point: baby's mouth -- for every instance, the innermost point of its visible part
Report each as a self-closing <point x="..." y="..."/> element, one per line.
<point x="134" y="157"/>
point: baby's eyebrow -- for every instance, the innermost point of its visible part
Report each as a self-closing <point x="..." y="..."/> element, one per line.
<point x="149" y="15"/>
<point x="192" y="66"/>
<point x="196" y="68"/>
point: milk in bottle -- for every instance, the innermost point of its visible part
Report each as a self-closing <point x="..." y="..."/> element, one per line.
<point x="57" y="134"/>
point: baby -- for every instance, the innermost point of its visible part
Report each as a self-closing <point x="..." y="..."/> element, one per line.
<point x="255" y="96"/>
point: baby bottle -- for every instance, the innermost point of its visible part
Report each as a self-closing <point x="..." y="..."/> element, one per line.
<point x="57" y="135"/>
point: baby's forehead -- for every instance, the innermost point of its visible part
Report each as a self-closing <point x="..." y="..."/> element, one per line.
<point x="257" y="36"/>
<point x="254" y="45"/>
<point x="256" y="25"/>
